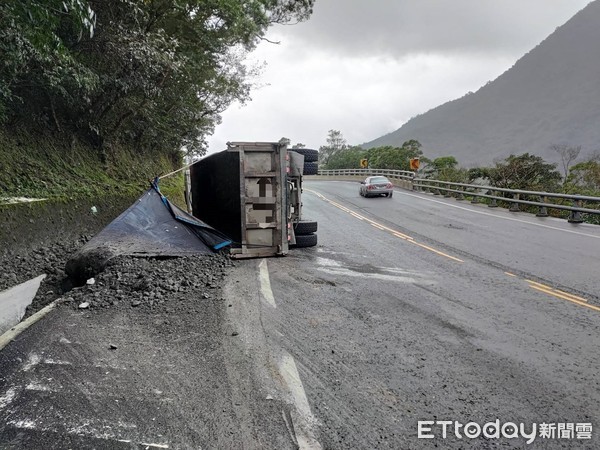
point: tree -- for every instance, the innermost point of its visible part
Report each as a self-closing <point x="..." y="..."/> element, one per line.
<point x="155" y="75"/>
<point x="388" y="157"/>
<point x="335" y="143"/>
<point x="584" y="177"/>
<point x="37" y="70"/>
<point x="299" y="145"/>
<point x="568" y="154"/>
<point x="527" y="172"/>
<point x="586" y="174"/>
<point x="348" y="158"/>
<point x="446" y="168"/>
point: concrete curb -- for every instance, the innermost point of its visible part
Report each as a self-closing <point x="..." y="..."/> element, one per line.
<point x="12" y="334"/>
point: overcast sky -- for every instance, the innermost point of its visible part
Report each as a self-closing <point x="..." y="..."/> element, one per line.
<point x="365" y="67"/>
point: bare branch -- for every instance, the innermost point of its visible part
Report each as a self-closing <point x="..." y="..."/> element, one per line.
<point x="262" y="38"/>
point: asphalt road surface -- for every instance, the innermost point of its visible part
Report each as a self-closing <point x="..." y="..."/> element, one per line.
<point x="414" y="308"/>
<point x="418" y="308"/>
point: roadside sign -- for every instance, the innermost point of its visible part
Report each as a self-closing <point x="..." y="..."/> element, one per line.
<point x="364" y="163"/>
<point x="414" y="164"/>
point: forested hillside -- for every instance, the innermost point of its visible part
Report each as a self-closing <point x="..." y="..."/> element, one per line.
<point x="94" y="93"/>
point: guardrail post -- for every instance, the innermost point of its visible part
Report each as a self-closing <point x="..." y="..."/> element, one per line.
<point x="460" y="195"/>
<point x="475" y="198"/>
<point x="543" y="212"/>
<point x="514" y="207"/>
<point x="575" y="216"/>
<point x="493" y="203"/>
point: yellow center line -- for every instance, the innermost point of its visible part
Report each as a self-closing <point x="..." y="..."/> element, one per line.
<point x="532" y="284"/>
<point x="382" y="227"/>
<point x="574" y="297"/>
<point x="555" y="294"/>
<point x="538" y="284"/>
<point x="436" y="251"/>
<point x="548" y="288"/>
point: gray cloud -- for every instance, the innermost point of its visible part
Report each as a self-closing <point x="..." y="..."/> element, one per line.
<point x="367" y="66"/>
<point x="398" y="27"/>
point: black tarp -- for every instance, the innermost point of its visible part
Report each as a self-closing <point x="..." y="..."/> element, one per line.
<point x="152" y="226"/>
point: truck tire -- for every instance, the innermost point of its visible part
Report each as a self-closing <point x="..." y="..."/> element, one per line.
<point x="305" y="227"/>
<point x="306" y="240"/>
<point x="310" y="155"/>
<point x="311" y="168"/>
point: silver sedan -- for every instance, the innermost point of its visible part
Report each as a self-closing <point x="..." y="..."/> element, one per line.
<point x="376" y="186"/>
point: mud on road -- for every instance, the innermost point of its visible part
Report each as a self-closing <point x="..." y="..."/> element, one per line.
<point x="145" y="362"/>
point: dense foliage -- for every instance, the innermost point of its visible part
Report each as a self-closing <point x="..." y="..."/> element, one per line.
<point x="527" y="172"/>
<point x="150" y="74"/>
<point x="337" y="154"/>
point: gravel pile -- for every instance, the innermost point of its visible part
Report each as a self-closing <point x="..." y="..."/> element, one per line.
<point x="50" y="259"/>
<point x="169" y="285"/>
<point x="145" y="283"/>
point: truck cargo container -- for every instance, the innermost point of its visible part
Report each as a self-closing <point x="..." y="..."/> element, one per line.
<point x="252" y="192"/>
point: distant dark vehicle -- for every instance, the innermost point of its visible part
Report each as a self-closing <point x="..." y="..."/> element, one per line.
<point x="376" y="186"/>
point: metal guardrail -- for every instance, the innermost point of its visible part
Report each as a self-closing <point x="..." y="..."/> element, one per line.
<point x="398" y="174"/>
<point x="476" y="191"/>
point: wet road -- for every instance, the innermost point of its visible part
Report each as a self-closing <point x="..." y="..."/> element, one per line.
<point x="411" y="309"/>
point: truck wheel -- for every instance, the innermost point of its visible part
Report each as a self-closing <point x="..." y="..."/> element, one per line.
<point x="306" y="240"/>
<point x="311" y="168"/>
<point x="305" y="227"/>
<point x="310" y="155"/>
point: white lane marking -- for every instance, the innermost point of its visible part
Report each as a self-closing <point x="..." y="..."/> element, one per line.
<point x="8" y="397"/>
<point x="304" y="429"/>
<point x="265" y="283"/>
<point x="501" y="217"/>
<point x="155" y="445"/>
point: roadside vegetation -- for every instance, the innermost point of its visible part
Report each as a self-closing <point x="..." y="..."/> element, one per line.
<point x="99" y="96"/>
<point x="523" y="171"/>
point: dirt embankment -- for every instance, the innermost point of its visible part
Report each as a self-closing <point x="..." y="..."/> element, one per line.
<point x="27" y="227"/>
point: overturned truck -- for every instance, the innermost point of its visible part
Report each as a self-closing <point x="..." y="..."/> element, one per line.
<point x="252" y="192"/>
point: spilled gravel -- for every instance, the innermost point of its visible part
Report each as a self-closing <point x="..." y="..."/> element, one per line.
<point x="145" y="283"/>
<point x="165" y="284"/>
<point x="50" y="259"/>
